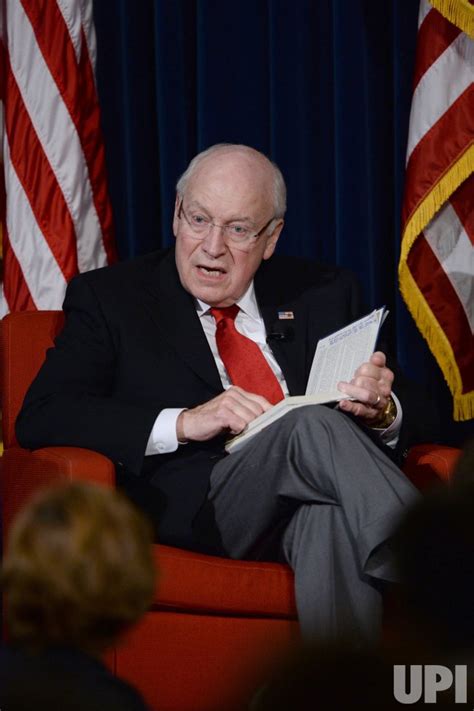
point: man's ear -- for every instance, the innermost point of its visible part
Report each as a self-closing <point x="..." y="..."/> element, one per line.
<point x="177" y="204"/>
<point x="272" y="239"/>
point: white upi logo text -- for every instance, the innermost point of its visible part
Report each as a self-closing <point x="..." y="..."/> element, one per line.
<point x="410" y="682"/>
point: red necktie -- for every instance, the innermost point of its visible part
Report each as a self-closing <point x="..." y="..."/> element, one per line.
<point x="244" y="361"/>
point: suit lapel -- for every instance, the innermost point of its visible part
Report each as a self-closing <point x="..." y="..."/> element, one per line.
<point x="290" y="352"/>
<point x="173" y="312"/>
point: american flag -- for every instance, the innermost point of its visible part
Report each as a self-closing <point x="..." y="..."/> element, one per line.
<point x="437" y="255"/>
<point x="56" y="214"/>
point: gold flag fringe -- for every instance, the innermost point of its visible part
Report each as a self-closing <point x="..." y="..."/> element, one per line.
<point x="459" y="12"/>
<point x="417" y="305"/>
<point x="463" y="406"/>
<point x="437" y="341"/>
<point x="437" y="196"/>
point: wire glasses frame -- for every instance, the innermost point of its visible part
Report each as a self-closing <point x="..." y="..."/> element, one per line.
<point x="236" y="233"/>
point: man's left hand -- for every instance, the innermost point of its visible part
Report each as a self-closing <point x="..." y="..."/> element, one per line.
<point x="370" y="387"/>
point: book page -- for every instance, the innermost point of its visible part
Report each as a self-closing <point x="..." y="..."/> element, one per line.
<point x="268" y="417"/>
<point x="339" y="355"/>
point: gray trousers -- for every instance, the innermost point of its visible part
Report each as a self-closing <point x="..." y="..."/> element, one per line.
<point x="340" y="499"/>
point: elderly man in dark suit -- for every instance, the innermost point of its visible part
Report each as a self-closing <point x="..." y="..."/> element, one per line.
<point x="163" y="357"/>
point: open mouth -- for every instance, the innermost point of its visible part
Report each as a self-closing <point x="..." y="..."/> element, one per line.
<point x="208" y="272"/>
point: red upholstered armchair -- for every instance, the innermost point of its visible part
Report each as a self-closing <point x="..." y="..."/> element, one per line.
<point x="215" y="624"/>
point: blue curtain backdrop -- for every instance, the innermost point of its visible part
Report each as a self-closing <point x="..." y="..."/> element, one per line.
<point x="323" y="88"/>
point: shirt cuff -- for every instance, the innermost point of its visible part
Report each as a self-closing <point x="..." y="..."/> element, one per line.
<point x="390" y="435"/>
<point x="163" y="438"/>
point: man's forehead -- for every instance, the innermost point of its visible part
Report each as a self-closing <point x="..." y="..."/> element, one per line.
<point x="206" y="207"/>
<point x="236" y="178"/>
<point x="233" y="165"/>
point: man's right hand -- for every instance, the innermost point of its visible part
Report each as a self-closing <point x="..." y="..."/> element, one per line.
<point x="231" y="411"/>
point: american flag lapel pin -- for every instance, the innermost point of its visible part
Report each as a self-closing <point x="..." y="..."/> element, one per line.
<point x="286" y="315"/>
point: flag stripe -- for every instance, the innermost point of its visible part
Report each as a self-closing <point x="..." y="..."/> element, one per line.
<point x="439" y="149"/>
<point x="78" y="21"/>
<point x="425" y="8"/>
<point x="463" y="203"/>
<point x="15" y="290"/>
<point x="39" y="182"/>
<point x="433" y="98"/>
<point x="45" y="281"/>
<point x="57" y="135"/>
<point x="74" y="77"/>
<point x="72" y="20"/>
<point x="89" y="29"/>
<point x="94" y="151"/>
<point x="448" y="239"/>
<point x="434" y="37"/>
<point x="442" y="300"/>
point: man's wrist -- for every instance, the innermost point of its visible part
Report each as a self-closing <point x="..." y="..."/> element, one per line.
<point x="162" y="439"/>
<point x="386" y="417"/>
<point x="181" y="437"/>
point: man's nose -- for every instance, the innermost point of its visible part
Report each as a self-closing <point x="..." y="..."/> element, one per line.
<point x="214" y="242"/>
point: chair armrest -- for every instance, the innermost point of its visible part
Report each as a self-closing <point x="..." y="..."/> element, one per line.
<point x="25" y="472"/>
<point x="199" y="583"/>
<point x="428" y="464"/>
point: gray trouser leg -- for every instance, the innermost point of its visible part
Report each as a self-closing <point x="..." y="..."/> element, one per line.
<point x="339" y="601"/>
<point x="346" y="497"/>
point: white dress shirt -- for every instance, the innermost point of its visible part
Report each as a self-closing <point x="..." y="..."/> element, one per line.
<point x="163" y="438"/>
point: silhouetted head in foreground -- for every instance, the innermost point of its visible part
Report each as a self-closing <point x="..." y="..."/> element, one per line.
<point x="78" y="569"/>
<point x="435" y="549"/>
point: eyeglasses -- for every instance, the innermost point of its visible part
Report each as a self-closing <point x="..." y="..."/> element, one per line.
<point x="237" y="233"/>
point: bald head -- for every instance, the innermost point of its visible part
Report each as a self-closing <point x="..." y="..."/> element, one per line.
<point x="267" y="174"/>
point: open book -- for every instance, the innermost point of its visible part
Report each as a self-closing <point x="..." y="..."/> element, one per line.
<point x="337" y="357"/>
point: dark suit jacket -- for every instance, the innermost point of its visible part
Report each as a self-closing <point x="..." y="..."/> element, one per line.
<point x="133" y="344"/>
<point x="61" y="679"/>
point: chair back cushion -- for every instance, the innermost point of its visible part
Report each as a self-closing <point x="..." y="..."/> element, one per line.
<point x="24" y="339"/>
